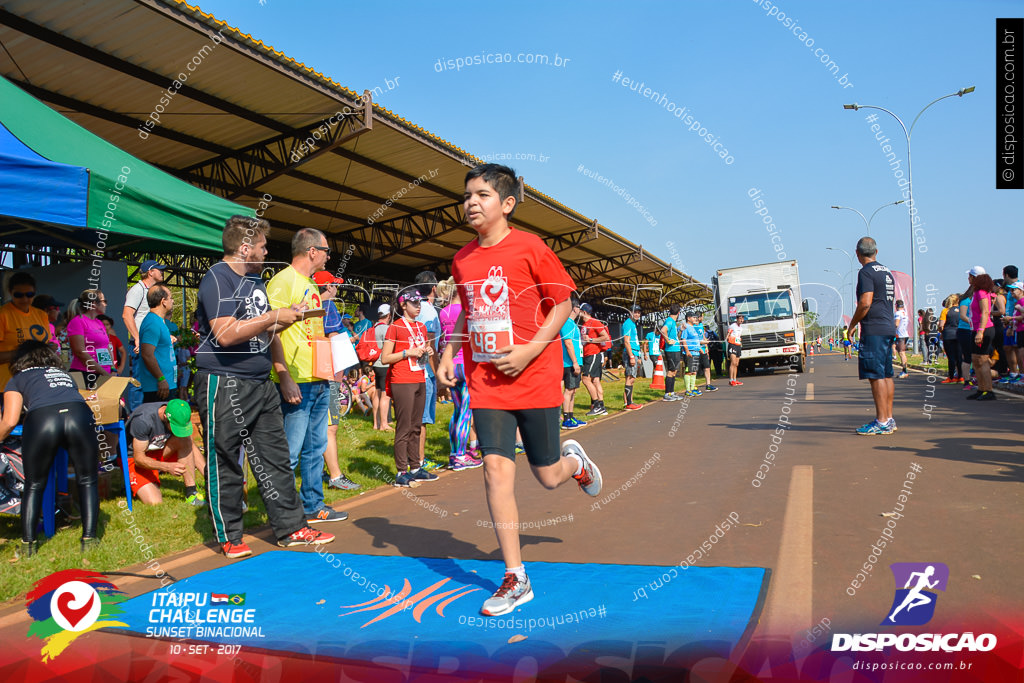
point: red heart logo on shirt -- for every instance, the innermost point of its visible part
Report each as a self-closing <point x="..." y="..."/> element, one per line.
<point x="494" y="290"/>
<point x="70" y="613"/>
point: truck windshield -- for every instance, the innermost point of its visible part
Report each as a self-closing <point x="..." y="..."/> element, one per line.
<point x="758" y="307"/>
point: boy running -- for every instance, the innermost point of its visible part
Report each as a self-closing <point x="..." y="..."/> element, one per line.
<point x="516" y="297"/>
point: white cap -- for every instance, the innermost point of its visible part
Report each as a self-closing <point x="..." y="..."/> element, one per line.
<point x="383" y="309"/>
<point x="976" y="271"/>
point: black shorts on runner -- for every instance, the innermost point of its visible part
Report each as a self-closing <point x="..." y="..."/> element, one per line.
<point x="538" y="427"/>
<point x="380" y="376"/>
<point x="593" y="365"/>
<point x="704" y="362"/>
<point x="692" y="362"/>
<point x="570" y="378"/>
<point x="735" y="350"/>
<point x="985" y="348"/>
<point x="671" y="361"/>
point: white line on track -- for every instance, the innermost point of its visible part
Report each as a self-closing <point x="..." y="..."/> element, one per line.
<point x="810" y="392"/>
<point x="788" y="607"/>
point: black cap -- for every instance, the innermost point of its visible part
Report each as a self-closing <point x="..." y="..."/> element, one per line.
<point x="637" y="309"/>
<point x="45" y="301"/>
<point x="586" y="308"/>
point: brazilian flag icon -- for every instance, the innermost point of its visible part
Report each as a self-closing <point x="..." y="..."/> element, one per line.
<point x="237" y="599"/>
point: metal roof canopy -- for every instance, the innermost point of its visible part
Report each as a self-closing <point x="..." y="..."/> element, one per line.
<point x="255" y="126"/>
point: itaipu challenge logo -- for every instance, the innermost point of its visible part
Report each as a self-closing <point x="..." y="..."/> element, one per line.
<point x="71" y="603"/>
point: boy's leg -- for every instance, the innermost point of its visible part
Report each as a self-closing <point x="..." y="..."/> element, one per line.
<point x="496" y="430"/>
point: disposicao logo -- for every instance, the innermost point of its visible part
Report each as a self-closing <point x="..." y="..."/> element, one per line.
<point x="68" y="604"/>
<point x="914" y="605"/>
<point x="919" y="581"/>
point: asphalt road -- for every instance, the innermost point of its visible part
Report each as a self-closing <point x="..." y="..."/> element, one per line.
<point x="673" y="471"/>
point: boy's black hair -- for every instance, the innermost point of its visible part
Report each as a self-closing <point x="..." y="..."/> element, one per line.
<point x="105" y="319"/>
<point x="501" y="178"/>
<point x="34" y="354"/>
<point x="674" y="309"/>
<point x="1010" y="271"/>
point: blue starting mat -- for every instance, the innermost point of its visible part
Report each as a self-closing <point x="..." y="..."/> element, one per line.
<point x="425" y="612"/>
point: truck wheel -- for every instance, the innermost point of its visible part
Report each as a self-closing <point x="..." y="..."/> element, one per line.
<point x="800" y="365"/>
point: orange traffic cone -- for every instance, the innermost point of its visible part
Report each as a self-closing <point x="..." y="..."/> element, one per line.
<point x="658" y="380"/>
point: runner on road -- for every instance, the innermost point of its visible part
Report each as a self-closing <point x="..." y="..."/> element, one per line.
<point x="735" y="349"/>
<point x="516" y="297"/>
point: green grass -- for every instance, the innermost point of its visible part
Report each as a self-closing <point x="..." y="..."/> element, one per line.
<point x="366" y="456"/>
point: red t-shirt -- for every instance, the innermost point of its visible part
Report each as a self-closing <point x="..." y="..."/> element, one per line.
<point x="117" y="345"/>
<point x="406" y="335"/>
<point x="591" y="328"/>
<point x="507" y="291"/>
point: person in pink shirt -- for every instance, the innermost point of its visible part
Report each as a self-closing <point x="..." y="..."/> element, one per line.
<point x="983" y="330"/>
<point x="87" y="335"/>
<point x="461" y="422"/>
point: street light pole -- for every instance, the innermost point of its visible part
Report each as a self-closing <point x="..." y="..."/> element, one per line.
<point x="853" y="283"/>
<point x="867" y="221"/>
<point x="910" y="195"/>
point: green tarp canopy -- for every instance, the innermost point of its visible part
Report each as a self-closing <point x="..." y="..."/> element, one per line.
<point x="54" y="172"/>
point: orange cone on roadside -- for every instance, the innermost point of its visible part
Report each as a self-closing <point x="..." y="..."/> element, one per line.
<point x="658" y="380"/>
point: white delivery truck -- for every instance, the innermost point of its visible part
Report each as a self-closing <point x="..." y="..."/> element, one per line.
<point x="768" y="297"/>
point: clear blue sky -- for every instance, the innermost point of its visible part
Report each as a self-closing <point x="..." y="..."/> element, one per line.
<point x="744" y="76"/>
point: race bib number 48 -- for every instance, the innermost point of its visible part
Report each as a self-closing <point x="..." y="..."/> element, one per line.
<point x="487" y="336"/>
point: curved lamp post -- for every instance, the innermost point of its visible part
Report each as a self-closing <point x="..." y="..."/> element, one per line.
<point x="910" y="194"/>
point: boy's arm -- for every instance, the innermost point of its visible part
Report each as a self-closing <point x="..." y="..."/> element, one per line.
<point x="520" y="355"/>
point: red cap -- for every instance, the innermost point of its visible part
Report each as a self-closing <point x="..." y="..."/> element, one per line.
<point x="324" y="278"/>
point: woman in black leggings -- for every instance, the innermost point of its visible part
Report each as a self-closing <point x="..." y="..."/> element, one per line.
<point x="56" y="417"/>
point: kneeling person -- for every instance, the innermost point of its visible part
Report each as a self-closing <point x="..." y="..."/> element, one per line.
<point x="161" y="435"/>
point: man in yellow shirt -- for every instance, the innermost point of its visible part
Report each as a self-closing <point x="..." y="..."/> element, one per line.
<point x="19" y="321"/>
<point x="304" y="398"/>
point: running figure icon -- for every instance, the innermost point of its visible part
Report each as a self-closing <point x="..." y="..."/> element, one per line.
<point x="915" y="598"/>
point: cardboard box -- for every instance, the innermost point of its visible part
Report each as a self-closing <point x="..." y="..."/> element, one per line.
<point x="105" y="399"/>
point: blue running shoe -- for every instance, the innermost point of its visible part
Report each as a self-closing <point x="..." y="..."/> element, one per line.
<point x="874" y="428"/>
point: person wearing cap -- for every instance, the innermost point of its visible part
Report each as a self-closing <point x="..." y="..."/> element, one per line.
<point x="631" y="357"/>
<point x="593" y="335"/>
<point x="161" y="442"/>
<point x="382" y="404"/>
<point x="134" y="312"/>
<point x="876" y="289"/>
<point x="333" y="324"/>
<point x="158" y="373"/>
<point x="56" y="416"/>
<point x="304" y="397"/>
<point x="407" y="350"/>
<point x="20" y="321"/>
